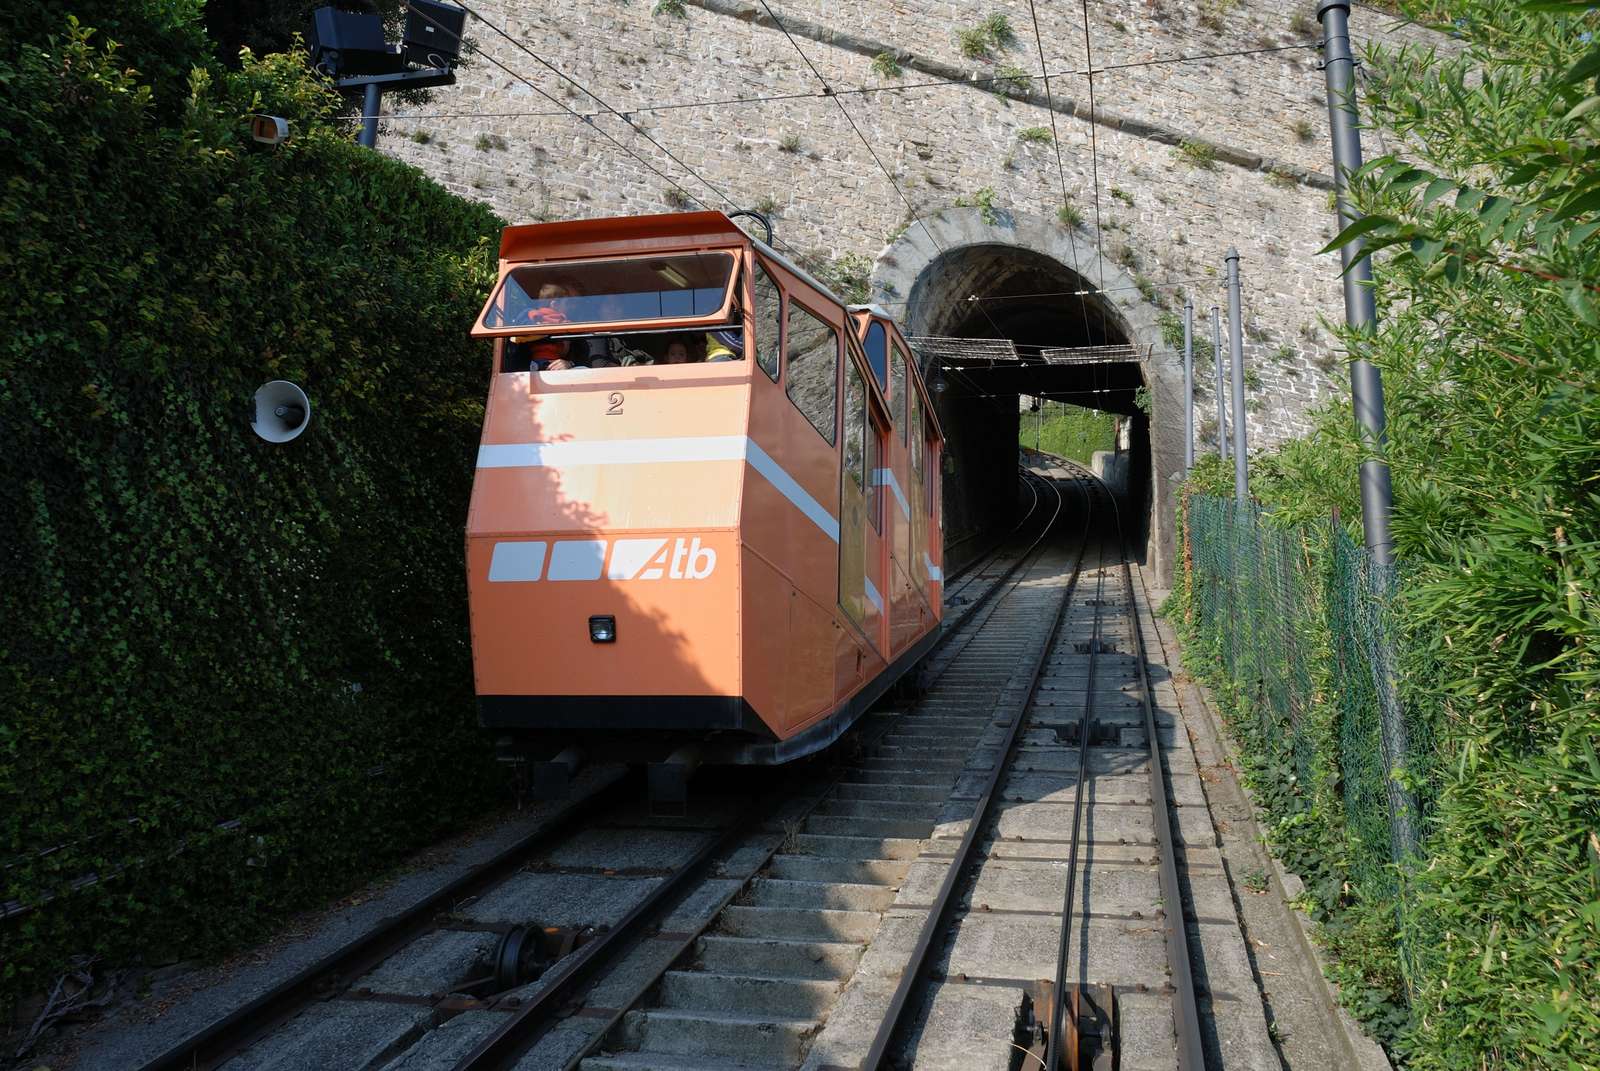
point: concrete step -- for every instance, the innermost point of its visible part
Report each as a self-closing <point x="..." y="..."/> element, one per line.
<point x="746" y="994"/>
<point x="797" y="924"/>
<point x="898" y="765"/>
<point x="774" y="958"/>
<point x="720" y="1035"/>
<point x="912" y="810"/>
<point x="660" y="1061"/>
<point x="889" y="790"/>
<point x="955" y="750"/>
<point x="828" y="846"/>
<point x="847" y="826"/>
<point x="846" y="871"/>
<point x="922" y="778"/>
<point x="770" y="892"/>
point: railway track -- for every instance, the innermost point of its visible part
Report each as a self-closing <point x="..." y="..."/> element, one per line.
<point x="480" y="972"/>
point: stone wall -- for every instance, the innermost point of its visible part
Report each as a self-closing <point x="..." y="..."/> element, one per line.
<point x="1189" y="157"/>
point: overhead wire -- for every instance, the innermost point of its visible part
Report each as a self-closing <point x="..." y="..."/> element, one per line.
<point x="835" y="91"/>
<point x="828" y="91"/>
<point x="564" y="76"/>
<point x="1094" y="152"/>
<point x="586" y="119"/>
<point x="1061" y="170"/>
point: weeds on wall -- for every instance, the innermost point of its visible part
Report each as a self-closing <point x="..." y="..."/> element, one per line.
<point x="886" y="65"/>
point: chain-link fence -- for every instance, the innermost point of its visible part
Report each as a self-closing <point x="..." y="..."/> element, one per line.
<point x="1323" y="692"/>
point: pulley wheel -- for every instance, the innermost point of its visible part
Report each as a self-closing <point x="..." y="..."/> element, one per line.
<point x="516" y="960"/>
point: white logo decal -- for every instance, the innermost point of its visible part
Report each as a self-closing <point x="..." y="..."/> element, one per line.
<point x="579" y="559"/>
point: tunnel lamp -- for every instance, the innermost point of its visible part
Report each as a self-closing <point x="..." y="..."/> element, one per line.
<point x="603" y="629"/>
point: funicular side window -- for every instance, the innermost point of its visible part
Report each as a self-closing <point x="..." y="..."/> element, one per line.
<point x="877" y="346"/>
<point x="931" y="451"/>
<point x="855" y="421"/>
<point x="916" y="440"/>
<point x="671" y="287"/>
<point x="768" y="301"/>
<point x="897" y="398"/>
<point x="812" y="352"/>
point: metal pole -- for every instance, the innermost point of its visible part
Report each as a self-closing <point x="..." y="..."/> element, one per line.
<point x="1222" y="407"/>
<point x="1360" y="310"/>
<point x="1241" y="462"/>
<point x="1188" y="385"/>
<point x="371" y="102"/>
<point x="1366" y="393"/>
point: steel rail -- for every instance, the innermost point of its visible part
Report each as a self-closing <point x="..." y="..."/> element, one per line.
<point x="524" y="1026"/>
<point x="1185" y="1004"/>
<point x="1031" y="481"/>
<point x="1059" y="995"/>
<point x="514" y="1038"/>
<point x="252" y="1021"/>
<point x="238" y="1029"/>
<point x="898" y="1014"/>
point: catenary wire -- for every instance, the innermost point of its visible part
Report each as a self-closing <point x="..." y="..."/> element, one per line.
<point x="588" y="119"/>
<point x="596" y="98"/>
<point x="1061" y="170"/>
<point x="1094" y="152"/>
<point x="828" y="91"/>
<point x="835" y="91"/>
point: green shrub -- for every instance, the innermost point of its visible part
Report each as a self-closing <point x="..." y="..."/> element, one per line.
<point x="1068" y="431"/>
<point x="1484" y="952"/>
<point x="236" y="675"/>
<point x="886" y="65"/>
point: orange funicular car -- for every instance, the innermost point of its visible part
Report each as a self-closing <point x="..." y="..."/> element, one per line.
<point x="705" y="520"/>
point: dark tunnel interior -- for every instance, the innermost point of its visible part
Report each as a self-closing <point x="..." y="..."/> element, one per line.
<point x="1034" y="302"/>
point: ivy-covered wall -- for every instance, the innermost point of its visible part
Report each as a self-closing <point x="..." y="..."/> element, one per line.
<point x="232" y="675"/>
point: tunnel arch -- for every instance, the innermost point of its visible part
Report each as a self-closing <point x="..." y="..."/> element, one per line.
<point x="1017" y="277"/>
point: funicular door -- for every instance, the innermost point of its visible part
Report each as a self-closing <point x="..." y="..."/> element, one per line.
<point x="879" y="580"/>
<point x="860" y="573"/>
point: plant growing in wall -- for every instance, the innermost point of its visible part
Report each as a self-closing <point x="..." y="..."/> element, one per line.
<point x="983" y="201"/>
<point x="1200" y="154"/>
<point x="981" y="41"/>
<point x="886" y="65"/>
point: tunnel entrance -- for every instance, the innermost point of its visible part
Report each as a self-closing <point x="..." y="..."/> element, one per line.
<point x="995" y="324"/>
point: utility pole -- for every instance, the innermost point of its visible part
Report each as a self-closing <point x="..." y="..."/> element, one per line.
<point x="1366" y="394"/>
<point x="1222" y="409"/>
<point x="1360" y="310"/>
<point x="1241" y="462"/>
<point x="1188" y="384"/>
<point x="371" y="105"/>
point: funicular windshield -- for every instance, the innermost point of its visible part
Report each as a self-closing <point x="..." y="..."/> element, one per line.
<point x="674" y="308"/>
<point x="672" y="287"/>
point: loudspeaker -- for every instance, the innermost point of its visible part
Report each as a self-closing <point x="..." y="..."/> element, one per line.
<point x="269" y="129"/>
<point x="433" y="33"/>
<point x="279" y="411"/>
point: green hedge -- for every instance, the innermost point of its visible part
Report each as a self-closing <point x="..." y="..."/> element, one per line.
<point x="234" y="677"/>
